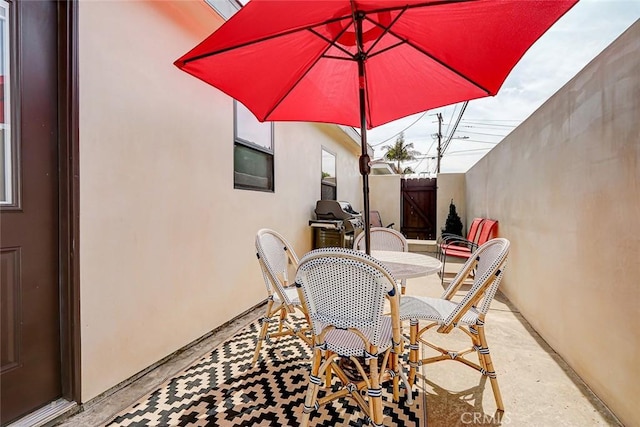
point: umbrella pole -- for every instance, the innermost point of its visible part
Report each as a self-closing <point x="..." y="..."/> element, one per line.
<point x="365" y="167"/>
<point x="364" y="171"/>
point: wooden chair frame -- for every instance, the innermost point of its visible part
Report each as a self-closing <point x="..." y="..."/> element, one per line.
<point x="278" y="308"/>
<point x="325" y="362"/>
<point x="458" y="247"/>
<point x="386" y="233"/>
<point x="480" y="295"/>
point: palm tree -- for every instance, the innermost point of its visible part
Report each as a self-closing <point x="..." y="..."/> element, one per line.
<point x="400" y="152"/>
<point x="408" y="170"/>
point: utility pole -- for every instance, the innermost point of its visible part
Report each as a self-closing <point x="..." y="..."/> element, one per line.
<point x="439" y="141"/>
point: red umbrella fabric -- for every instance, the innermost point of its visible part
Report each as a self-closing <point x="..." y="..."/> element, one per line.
<point x="364" y="63"/>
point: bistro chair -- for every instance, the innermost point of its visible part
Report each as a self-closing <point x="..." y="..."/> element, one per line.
<point x="345" y="293"/>
<point x="459" y="247"/>
<point x="376" y="220"/>
<point x="276" y="256"/>
<point x="468" y="315"/>
<point x="384" y="239"/>
<point x="474" y="228"/>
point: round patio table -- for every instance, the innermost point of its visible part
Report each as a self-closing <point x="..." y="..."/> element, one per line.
<point x="401" y="265"/>
<point x="407" y="265"/>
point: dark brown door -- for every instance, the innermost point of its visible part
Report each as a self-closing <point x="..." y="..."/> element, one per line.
<point x="31" y="371"/>
<point x="419" y="208"/>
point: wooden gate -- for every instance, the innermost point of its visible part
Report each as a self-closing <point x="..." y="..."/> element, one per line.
<point x="419" y="208"/>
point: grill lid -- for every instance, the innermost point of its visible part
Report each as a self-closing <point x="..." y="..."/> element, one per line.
<point x="334" y="210"/>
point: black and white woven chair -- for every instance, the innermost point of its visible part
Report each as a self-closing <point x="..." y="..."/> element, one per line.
<point x="384" y="239"/>
<point x="345" y="293"/>
<point x="468" y="315"/>
<point x="276" y="256"/>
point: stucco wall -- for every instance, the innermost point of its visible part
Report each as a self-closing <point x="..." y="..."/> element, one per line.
<point x="565" y="188"/>
<point x="166" y="244"/>
<point x="384" y="193"/>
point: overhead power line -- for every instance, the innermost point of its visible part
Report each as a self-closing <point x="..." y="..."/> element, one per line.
<point x="491" y="120"/>
<point x="455" y="108"/>
<point x="484" y="125"/>
<point x="481" y="133"/>
<point x="397" y="134"/>
<point x="455" y="126"/>
<point x="483" y="142"/>
<point x="458" y="153"/>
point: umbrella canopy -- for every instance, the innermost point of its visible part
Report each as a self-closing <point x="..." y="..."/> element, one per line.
<point x="364" y="63"/>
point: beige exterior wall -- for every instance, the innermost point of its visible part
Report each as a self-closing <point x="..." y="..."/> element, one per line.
<point x="166" y="244"/>
<point x="450" y="186"/>
<point x="384" y="193"/>
<point x="565" y="188"/>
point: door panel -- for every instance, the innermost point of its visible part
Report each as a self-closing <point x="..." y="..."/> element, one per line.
<point x="30" y="372"/>
<point x="419" y="208"/>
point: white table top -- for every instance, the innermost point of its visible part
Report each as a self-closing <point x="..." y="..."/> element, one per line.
<point x="407" y="265"/>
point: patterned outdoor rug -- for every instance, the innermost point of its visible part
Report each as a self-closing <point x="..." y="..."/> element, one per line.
<point x="223" y="390"/>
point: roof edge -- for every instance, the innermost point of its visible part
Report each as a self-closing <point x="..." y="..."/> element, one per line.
<point x="224" y="8"/>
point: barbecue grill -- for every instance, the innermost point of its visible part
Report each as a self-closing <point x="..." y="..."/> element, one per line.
<point x="336" y="224"/>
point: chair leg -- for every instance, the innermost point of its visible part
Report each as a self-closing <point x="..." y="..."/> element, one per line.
<point x="283" y="316"/>
<point x="477" y="345"/>
<point x="444" y="262"/>
<point x="375" y="392"/>
<point x="263" y="333"/>
<point x="399" y="375"/>
<point x="487" y="364"/>
<point x="328" y="373"/>
<point x="413" y="351"/>
<point x="312" y="389"/>
<point x="393" y="364"/>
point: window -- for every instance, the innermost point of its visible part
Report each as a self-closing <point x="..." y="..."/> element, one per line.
<point x="8" y="148"/>
<point x="329" y="189"/>
<point x="252" y="152"/>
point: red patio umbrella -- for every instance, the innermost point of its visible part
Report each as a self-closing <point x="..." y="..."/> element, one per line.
<point x="364" y="63"/>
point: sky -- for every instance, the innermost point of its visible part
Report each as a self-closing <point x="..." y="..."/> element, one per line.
<point x="578" y="37"/>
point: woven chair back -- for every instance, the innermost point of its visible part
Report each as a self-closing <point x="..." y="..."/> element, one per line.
<point x="489" y="261"/>
<point x="346" y="289"/>
<point x="274" y="252"/>
<point x="383" y="239"/>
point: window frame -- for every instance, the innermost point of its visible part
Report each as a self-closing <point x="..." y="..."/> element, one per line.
<point x="11" y="146"/>
<point x="325" y="183"/>
<point x="247" y="144"/>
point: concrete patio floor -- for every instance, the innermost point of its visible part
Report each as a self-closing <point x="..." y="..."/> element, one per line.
<point x="538" y="388"/>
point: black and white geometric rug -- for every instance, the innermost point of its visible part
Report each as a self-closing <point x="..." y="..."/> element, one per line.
<point x="222" y="389"/>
